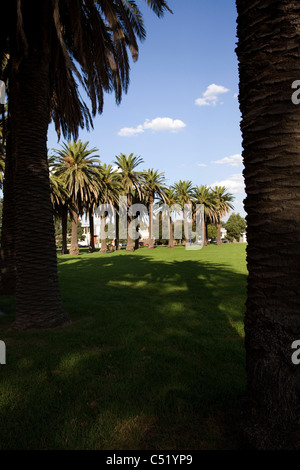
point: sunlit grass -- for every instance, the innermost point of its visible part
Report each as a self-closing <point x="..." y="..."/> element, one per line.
<point x="153" y="359"/>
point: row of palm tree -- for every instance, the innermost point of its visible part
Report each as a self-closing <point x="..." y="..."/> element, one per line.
<point x="80" y="183"/>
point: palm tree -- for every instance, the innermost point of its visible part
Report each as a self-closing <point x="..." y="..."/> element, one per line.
<point x="79" y="172"/>
<point x="184" y="193"/>
<point x="204" y="195"/>
<point x="223" y="205"/>
<point x="171" y="200"/>
<point x="130" y="179"/>
<point x="153" y="184"/>
<point x="46" y="56"/>
<point x="61" y="203"/>
<point x="270" y="129"/>
<point x="109" y="193"/>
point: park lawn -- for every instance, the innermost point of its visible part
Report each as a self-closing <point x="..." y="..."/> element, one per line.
<point x="154" y="357"/>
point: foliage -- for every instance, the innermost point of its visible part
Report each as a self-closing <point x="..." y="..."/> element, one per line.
<point x="235" y="226"/>
<point x="211" y="231"/>
<point x="79" y="171"/>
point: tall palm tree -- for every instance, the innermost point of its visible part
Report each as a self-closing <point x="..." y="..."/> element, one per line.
<point x="79" y="172"/>
<point x="61" y="203"/>
<point x="153" y="184"/>
<point x="223" y="205"/>
<point x="171" y="200"/>
<point x="130" y="179"/>
<point x="49" y="53"/>
<point x="267" y="51"/>
<point x="109" y="193"/>
<point x="184" y="193"/>
<point x="204" y="195"/>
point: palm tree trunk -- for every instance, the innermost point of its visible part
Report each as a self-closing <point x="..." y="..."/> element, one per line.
<point x="92" y="241"/>
<point x="219" y="233"/>
<point x="151" y="240"/>
<point x="8" y="254"/>
<point x="103" y="248"/>
<point x="205" y="241"/>
<point x="38" y="300"/>
<point x="268" y="54"/>
<point x="130" y="240"/>
<point x="137" y="241"/>
<point x="64" y="229"/>
<point x="186" y="227"/>
<point x="171" y="231"/>
<point x="117" y="244"/>
<point x="74" y="248"/>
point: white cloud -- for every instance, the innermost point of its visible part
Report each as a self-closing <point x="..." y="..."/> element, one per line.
<point x="211" y="95"/>
<point x="131" y="131"/>
<point x="233" y="160"/>
<point x="234" y="184"/>
<point x="157" y="124"/>
<point x="164" y="124"/>
<point x="235" y="95"/>
<point x="201" y="164"/>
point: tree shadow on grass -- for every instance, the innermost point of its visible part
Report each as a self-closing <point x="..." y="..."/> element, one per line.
<point x="154" y="359"/>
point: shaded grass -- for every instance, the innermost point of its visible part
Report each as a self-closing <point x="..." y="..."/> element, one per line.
<point x="154" y="358"/>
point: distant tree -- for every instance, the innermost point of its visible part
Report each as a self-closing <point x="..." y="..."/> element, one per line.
<point x="184" y="193"/>
<point x="78" y="169"/>
<point x="211" y="231"/>
<point x="223" y="205"/>
<point x="130" y="180"/>
<point x="235" y="227"/>
<point x="154" y="185"/>
<point x="204" y="195"/>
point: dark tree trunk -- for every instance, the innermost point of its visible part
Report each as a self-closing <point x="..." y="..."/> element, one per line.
<point x="171" y="234"/>
<point x="64" y="229"/>
<point x="92" y="240"/>
<point x="8" y="254"/>
<point x="205" y="241"/>
<point x="38" y="301"/>
<point x="185" y="227"/>
<point x="117" y="243"/>
<point x="219" y="234"/>
<point x="151" y="240"/>
<point x="74" y="248"/>
<point x="130" y="240"/>
<point x="268" y="54"/>
<point x="137" y="241"/>
<point x="103" y="248"/>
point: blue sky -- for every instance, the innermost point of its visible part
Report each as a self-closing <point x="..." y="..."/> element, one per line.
<point x="181" y="112"/>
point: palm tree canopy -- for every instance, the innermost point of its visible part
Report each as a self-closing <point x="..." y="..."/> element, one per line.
<point x="223" y="201"/>
<point x="184" y="192"/>
<point x="204" y="195"/>
<point x="109" y="185"/>
<point x="84" y="42"/>
<point x="58" y="192"/>
<point x="79" y="170"/>
<point x="154" y="184"/>
<point x="130" y="178"/>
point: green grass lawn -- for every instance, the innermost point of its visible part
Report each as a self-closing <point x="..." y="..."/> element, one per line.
<point x="154" y="357"/>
